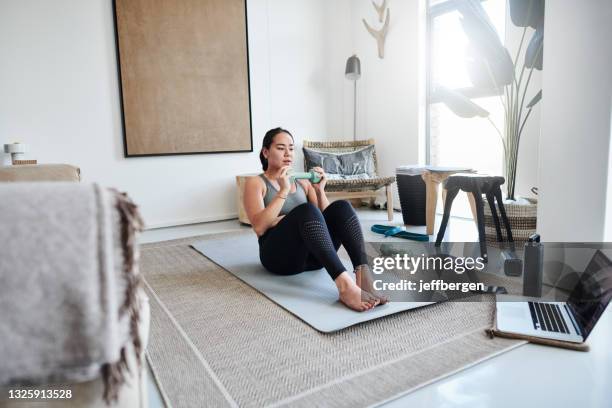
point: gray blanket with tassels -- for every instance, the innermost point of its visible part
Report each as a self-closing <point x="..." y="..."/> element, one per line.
<point x="62" y="282"/>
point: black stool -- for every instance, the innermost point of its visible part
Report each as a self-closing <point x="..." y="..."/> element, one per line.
<point x="477" y="184"/>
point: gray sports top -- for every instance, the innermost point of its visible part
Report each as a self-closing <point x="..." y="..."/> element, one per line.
<point x="292" y="200"/>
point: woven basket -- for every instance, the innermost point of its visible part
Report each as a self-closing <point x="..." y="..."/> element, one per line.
<point x="523" y="221"/>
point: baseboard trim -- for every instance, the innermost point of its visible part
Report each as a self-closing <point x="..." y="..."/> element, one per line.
<point x="198" y="220"/>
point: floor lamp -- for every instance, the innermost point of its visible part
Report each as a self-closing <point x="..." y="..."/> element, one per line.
<point x="353" y="73"/>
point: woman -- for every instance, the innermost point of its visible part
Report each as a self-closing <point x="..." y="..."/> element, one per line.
<point x="299" y="230"/>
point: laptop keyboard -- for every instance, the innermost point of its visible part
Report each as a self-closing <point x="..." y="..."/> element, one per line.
<point x="547" y="317"/>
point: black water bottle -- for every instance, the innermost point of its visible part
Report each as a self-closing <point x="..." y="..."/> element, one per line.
<point x="532" y="267"/>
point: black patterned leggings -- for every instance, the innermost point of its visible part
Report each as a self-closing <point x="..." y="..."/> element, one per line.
<point x="307" y="239"/>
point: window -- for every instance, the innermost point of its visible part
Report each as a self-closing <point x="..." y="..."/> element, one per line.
<point x="452" y="140"/>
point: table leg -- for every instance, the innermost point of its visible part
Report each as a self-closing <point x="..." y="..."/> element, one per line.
<point x="473" y="207"/>
<point x="450" y="196"/>
<point x="389" y="203"/>
<point x="240" y="183"/>
<point x="491" y="200"/>
<point x="431" y="188"/>
<point x="502" y="212"/>
<point x="481" y="232"/>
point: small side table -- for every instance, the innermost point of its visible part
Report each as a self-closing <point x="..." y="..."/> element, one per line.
<point x="433" y="176"/>
<point x="476" y="185"/>
<point x="240" y="183"/>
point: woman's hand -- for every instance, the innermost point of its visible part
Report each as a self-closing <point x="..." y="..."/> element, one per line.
<point x="283" y="181"/>
<point x="320" y="186"/>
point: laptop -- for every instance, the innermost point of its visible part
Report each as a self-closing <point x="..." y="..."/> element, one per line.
<point x="570" y="321"/>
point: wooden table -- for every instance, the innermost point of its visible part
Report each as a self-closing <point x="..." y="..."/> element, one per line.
<point x="432" y="180"/>
<point x="433" y="176"/>
<point x="240" y="183"/>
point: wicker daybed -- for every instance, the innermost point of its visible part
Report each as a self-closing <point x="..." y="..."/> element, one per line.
<point x="362" y="188"/>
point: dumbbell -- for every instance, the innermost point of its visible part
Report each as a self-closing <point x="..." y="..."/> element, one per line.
<point x="311" y="176"/>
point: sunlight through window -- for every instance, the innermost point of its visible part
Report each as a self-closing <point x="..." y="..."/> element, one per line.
<point x="456" y="141"/>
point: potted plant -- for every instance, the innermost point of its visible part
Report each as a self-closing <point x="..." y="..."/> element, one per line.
<point x="491" y="67"/>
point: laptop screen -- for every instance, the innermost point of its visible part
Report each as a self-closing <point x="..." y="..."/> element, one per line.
<point x="592" y="293"/>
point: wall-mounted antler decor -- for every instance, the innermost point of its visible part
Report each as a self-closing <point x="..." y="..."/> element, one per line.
<point x="380" y="35"/>
<point x="380" y="10"/>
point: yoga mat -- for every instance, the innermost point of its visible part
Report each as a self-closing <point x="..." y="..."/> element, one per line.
<point x="215" y="341"/>
<point x="312" y="296"/>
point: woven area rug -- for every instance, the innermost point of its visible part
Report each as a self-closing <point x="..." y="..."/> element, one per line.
<point x="215" y="341"/>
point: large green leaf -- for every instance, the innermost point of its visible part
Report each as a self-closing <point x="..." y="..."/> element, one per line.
<point x="526" y="13"/>
<point x="534" y="56"/>
<point x="535" y="100"/>
<point x="461" y="105"/>
<point x="488" y="61"/>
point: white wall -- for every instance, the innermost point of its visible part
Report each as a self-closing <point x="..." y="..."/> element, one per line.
<point x="389" y="95"/>
<point x="575" y="140"/>
<point x="59" y="87"/>
<point x="299" y="56"/>
<point x="388" y="91"/>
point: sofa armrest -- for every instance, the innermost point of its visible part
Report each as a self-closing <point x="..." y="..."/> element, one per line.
<point x="132" y="394"/>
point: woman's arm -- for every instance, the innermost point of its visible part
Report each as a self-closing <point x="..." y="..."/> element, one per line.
<point x="310" y="192"/>
<point x="322" y="200"/>
<point x="319" y="188"/>
<point x="261" y="217"/>
<point x="315" y="196"/>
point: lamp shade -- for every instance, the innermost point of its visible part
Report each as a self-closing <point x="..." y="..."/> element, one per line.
<point x="353" y="68"/>
<point x="15" y="148"/>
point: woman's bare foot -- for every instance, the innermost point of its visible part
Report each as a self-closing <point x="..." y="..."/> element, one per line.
<point x="365" y="281"/>
<point x="352" y="296"/>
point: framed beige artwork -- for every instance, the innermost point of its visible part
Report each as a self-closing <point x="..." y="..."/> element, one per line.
<point x="184" y="76"/>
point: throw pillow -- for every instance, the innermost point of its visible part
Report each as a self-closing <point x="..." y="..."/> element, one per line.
<point x="358" y="164"/>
